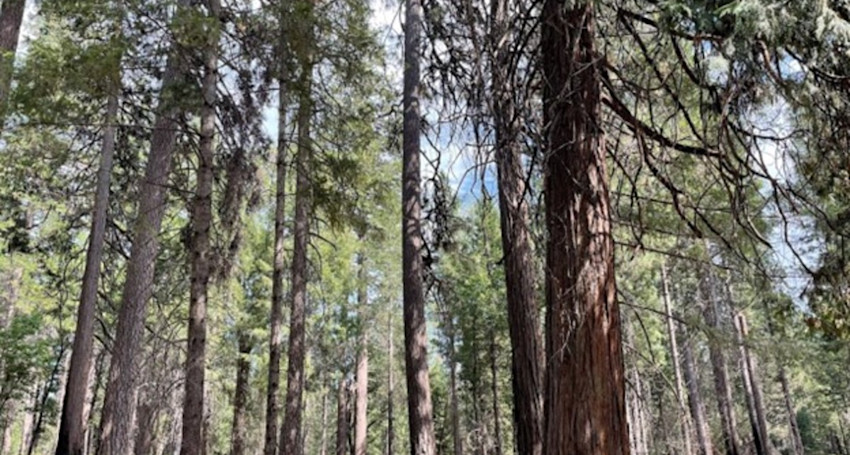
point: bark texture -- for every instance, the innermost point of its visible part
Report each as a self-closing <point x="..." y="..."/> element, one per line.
<point x="193" y="440"/>
<point x="119" y="407"/>
<point x="585" y="410"/>
<point x="527" y="359"/>
<point x="420" y="411"/>
<point x="291" y="428"/>
<point x="73" y="421"/>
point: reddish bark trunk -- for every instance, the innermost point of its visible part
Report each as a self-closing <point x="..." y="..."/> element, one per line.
<point x="527" y="359"/>
<point x="585" y="410"/>
<point x="343" y="418"/>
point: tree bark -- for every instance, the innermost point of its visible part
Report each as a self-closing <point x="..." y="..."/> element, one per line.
<point x="420" y="410"/>
<point x="279" y="263"/>
<point x="585" y="385"/>
<point x="291" y="428"/>
<point x="11" y="18"/>
<point x="362" y="376"/>
<point x="674" y="359"/>
<point x="343" y="418"/>
<point x="72" y="425"/>
<point x="527" y="359"/>
<point x="239" y="432"/>
<point x="695" y="402"/>
<point x="722" y="390"/>
<point x="119" y="407"/>
<point x="193" y="441"/>
<point x="144" y="427"/>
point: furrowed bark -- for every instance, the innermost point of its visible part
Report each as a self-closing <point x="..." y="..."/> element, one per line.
<point x="527" y="359"/>
<point x="585" y="410"/>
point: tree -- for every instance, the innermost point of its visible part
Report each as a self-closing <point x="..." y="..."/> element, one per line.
<point x="193" y="408"/>
<point x="419" y="407"/>
<point x="119" y="403"/>
<point x="585" y="381"/>
<point x="290" y="433"/>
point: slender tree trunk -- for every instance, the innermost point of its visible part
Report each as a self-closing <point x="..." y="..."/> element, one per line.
<point x="457" y="439"/>
<point x="279" y="263"/>
<point x="193" y="441"/>
<point x="343" y="418"/>
<point x="419" y="407"/>
<point x="11" y="18"/>
<point x="674" y="356"/>
<point x="794" y="429"/>
<point x="323" y="443"/>
<point x="72" y="426"/>
<point x="28" y="423"/>
<point x="527" y="359"/>
<point x="755" y="401"/>
<point x="239" y="432"/>
<point x="722" y="390"/>
<point x="636" y="403"/>
<point x="695" y="402"/>
<point x="291" y="428"/>
<point x="390" y="385"/>
<point x="362" y="382"/>
<point x="119" y="407"/>
<point x="494" y="373"/>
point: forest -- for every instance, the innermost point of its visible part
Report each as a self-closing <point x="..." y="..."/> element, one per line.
<point x="375" y="227"/>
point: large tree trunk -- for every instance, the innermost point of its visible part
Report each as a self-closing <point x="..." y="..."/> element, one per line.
<point x="752" y="388"/>
<point x="419" y="407"/>
<point x="193" y="402"/>
<point x="239" y="431"/>
<point x="11" y="17"/>
<point x="585" y="384"/>
<point x="145" y="426"/>
<point x="527" y="359"/>
<point x="695" y="402"/>
<point x="119" y="407"/>
<point x="279" y="263"/>
<point x="343" y="417"/>
<point x="677" y="364"/>
<point x="362" y="375"/>
<point x="722" y="389"/>
<point x="72" y="426"/>
<point x="291" y="428"/>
